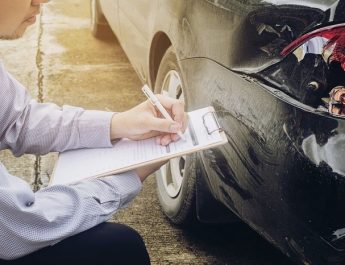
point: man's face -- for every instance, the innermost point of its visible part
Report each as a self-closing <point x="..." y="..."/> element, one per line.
<point x="16" y="16"/>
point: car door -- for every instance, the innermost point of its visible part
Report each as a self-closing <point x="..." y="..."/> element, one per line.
<point x="136" y="21"/>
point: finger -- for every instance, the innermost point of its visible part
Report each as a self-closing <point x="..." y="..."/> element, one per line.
<point x="175" y="137"/>
<point x="164" y="125"/>
<point x="185" y="122"/>
<point x="165" y="139"/>
<point x="175" y="106"/>
<point x="145" y="135"/>
<point x="178" y="112"/>
<point x="167" y="101"/>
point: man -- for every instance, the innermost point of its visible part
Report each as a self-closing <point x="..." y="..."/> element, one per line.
<point x="66" y="224"/>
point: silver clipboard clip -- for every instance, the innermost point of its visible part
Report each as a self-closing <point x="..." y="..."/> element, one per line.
<point x="209" y="127"/>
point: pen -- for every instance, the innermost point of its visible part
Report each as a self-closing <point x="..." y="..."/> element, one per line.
<point x="154" y="100"/>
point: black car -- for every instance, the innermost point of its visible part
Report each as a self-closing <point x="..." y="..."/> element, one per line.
<point x="274" y="72"/>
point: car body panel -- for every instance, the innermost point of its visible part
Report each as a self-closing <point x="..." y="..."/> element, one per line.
<point x="282" y="171"/>
<point x="136" y="22"/>
<point x="230" y="20"/>
<point x="262" y="174"/>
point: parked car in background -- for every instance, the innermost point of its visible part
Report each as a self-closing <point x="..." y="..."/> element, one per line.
<point x="274" y="72"/>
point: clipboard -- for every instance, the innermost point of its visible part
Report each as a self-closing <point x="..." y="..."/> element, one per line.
<point x="203" y="132"/>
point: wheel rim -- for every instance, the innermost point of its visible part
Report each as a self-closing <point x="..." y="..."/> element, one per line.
<point x="172" y="172"/>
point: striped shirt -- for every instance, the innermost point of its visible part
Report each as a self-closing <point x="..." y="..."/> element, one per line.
<point x="30" y="221"/>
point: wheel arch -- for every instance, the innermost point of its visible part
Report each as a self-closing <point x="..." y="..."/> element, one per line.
<point x="159" y="45"/>
<point x="203" y="199"/>
<point x="101" y="19"/>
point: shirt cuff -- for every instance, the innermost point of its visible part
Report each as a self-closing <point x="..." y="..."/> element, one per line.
<point x="127" y="185"/>
<point x="94" y="129"/>
<point x="119" y="190"/>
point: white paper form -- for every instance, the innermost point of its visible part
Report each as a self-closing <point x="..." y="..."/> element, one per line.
<point x="196" y="134"/>
<point x="75" y="165"/>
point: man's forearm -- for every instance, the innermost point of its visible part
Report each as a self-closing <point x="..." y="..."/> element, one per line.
<point x="30" y="221"/>
<point x="30" y="127"/>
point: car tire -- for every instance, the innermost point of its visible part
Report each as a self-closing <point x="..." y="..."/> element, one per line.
<point x="176" y="181"/>
<point x="100" y="28"/>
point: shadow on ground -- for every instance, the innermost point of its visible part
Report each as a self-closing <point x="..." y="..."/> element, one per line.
<point x="233" y="244"/>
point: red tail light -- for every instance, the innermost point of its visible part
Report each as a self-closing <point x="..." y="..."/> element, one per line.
<point x="330" y="42"/>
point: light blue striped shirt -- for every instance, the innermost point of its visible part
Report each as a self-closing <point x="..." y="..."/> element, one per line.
<point x="30" y="221"/>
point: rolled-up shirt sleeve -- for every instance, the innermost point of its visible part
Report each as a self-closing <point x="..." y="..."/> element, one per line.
<point x="30" y="221"/>
<point x="27" y="126"/>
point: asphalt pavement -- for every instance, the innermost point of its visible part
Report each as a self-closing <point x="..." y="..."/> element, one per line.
<point x="59" y="61"/>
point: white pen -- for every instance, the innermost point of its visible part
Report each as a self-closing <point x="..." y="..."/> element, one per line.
<point x="154" y="100"/>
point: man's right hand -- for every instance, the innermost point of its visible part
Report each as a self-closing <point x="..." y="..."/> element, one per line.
<point x="145" y="121"/>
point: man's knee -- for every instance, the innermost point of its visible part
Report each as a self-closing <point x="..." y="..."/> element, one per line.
<point x="131" y="234"/>
<point x="129" y="243"/>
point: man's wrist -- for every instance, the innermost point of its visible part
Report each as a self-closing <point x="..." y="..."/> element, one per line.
<point x="116" y="127"/>
<point x="145" y="171"/>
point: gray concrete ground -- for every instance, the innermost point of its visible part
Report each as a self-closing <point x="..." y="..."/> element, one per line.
<point x="59" y="61"/>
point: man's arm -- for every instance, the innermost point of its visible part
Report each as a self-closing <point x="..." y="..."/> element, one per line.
<point x="30" y="127"/>
<point x="30" y="221"/>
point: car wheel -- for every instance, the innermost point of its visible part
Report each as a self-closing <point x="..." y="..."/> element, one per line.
<point x="175" y="180"/>
<point x="100" y="28"/>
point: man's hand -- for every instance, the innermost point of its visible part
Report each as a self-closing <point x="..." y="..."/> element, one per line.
<point x="144" y="121"/>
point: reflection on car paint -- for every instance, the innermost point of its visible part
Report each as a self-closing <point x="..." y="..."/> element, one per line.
<point x="339" y="234"/>
<point x="331" y="153"/>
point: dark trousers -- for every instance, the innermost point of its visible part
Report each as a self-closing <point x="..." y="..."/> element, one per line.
<point x="105" y="244"/>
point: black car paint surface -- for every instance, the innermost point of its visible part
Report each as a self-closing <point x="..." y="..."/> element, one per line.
<point x="282" y="171"/>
